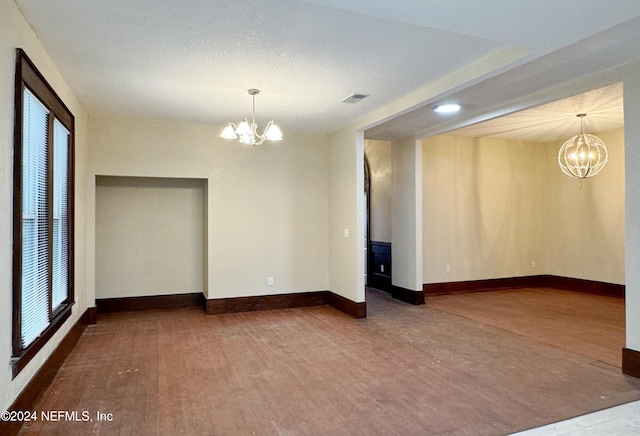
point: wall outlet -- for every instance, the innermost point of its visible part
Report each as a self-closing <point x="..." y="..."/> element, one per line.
<point x="346" y="233"/>
<point x="447" y="268"/>
<point x="533" y="264"/>
<point x="270" y="281"/>
<point x="381" y="268"/>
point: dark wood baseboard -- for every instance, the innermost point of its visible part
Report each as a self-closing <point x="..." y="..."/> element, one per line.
<point x="407" y="295"/>
<point x="589" y="286"/>
<point x="264" y="302"/>
<point x="27" y="399"/>
<point x="286" y="301"/>
<point x="90" y="316"/>
<point x="349" y="307"/>
<point x="129" y="304"/>
<point x="631" y="362"/>
<point x="482" y="285"/>
<point x="566" y="283"/>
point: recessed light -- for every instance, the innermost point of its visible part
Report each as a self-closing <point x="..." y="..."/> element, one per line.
<point x="448" y="108"/>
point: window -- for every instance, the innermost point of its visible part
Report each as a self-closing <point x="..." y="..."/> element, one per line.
<point x="42" y="213"/>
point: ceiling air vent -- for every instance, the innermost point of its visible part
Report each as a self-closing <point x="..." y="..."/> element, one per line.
<point x="354" y="98"/>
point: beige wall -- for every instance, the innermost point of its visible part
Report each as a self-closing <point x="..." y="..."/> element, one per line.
<point x="406" y="214"/>
<point x="378" y="155"/>
<point x="584" y="220"/>
<point x="346" y="214"/>
<point x="15" y="32"/>
<point x="492" y="207"/>
<point x="483" y="209"/>
<point x="266" y="206"/>
<point x="149" y="236"/>
<point x="632" y="204"/>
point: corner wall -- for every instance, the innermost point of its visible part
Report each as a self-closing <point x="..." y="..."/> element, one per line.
<point x="492" y="207"/>
<point x="584" y="219"/>
<point x="406" y="216"/>
<point x="346" y="214"/>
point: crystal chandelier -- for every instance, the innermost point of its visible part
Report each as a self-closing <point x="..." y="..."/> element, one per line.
<point x="583" y="155"/>
<point x="248" y="133"/>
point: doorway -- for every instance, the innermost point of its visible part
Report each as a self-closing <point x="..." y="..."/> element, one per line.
<point x="377" y="196"/>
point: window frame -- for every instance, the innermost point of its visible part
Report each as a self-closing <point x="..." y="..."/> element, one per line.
<point x="28" y="76"/>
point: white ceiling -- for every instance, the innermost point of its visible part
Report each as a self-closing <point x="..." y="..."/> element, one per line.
<point x="557" y="120"/>
<point x="194" y="60"/>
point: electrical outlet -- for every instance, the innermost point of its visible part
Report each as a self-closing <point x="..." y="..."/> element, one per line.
<point x="270" y="281"/>
<point x="381" y="268"/>
<point x="447" y="268"/>
<point x="533" y="264"/>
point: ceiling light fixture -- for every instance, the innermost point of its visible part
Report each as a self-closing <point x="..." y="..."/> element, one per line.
<point x="248" y="133"/>
<point x="582" y="155"/>
<point x="449" y="108"/>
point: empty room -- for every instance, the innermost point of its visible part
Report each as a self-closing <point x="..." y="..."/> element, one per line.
<point x="318" y="217"/>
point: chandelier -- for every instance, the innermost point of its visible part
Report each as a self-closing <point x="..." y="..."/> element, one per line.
<point x="583" y="155"/>
<point x="248" y="133"/>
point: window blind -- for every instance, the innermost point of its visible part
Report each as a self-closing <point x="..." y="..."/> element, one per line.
<point x="35" y="259"/>
<point x="60" y="279"/>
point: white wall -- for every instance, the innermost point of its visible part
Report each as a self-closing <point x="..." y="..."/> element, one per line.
<point x="584" y="220"/>
<point x="482" y="208"/>
<point x="267" y="206"/>
<point x="15" y="32"/>
<point x="149" y="236"/>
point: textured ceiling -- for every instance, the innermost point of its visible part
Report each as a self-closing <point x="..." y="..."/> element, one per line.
<point x="557" y="120"/>
<point x="194" y="60"/>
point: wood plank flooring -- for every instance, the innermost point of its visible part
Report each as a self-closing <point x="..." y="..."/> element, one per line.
<point x="456" y="366"/>
<point x="548" y="316"/>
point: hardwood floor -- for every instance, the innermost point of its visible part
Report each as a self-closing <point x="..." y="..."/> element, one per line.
<point x="588" y="324"/>
<point x="473" y="364"/>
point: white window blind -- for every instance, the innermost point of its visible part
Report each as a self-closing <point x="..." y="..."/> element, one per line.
<point x="36" y="305"/>
<point x="35" y="259"/>
<point x="60" y="280"/>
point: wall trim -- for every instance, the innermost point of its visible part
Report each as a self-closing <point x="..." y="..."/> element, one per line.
<point x="566" y="283"/>
<point x="263" y="302"/>
<point x="91" y="315"/>
<point x="407" y="295"/>
<point x="129" y="304"/>
<point x="30" y="394"/>
<point x="631" y="362"/>
<point x="285" y="301"/>
<point x="230" y="305"/>
<point x="344" y="305"/>
<point x="482" y="285"/>
<point x="589" y="286"/>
